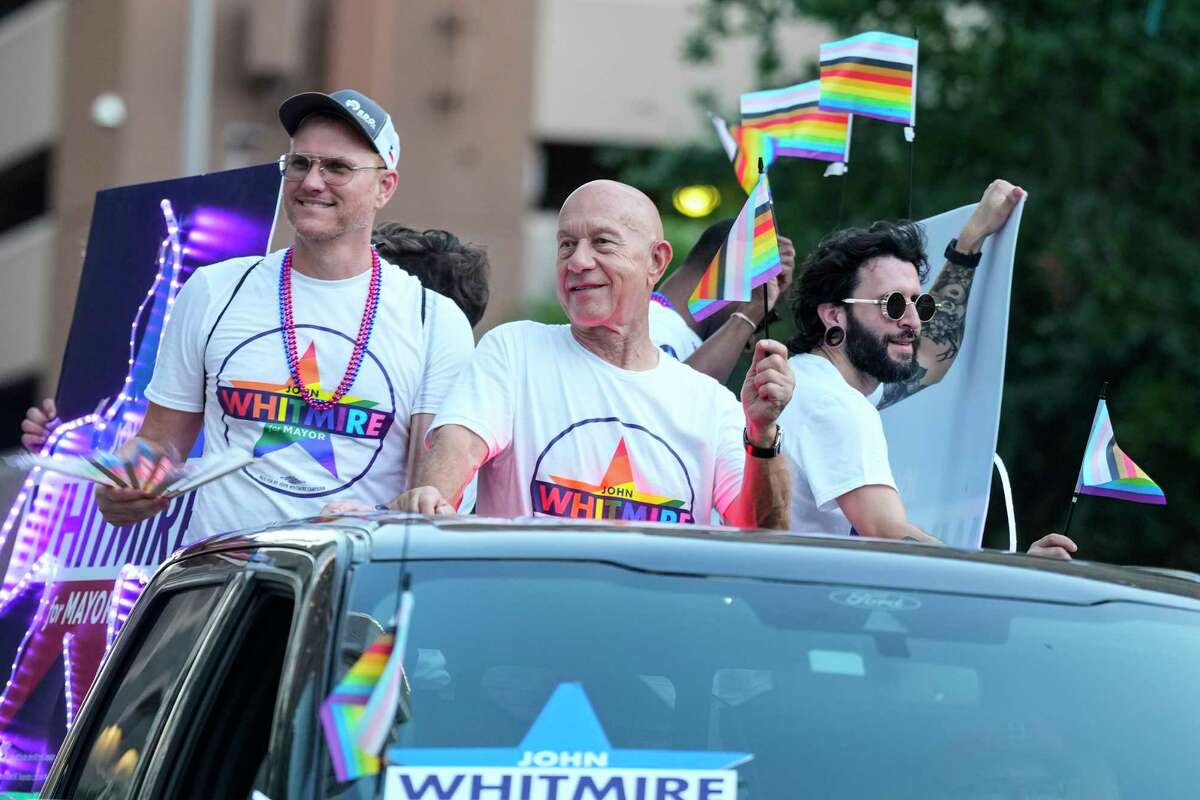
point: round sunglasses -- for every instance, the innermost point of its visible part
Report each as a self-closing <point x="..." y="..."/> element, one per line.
<point x="893" y="305"/>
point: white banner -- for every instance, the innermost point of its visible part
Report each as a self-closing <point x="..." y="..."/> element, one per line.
<point x="509" y="783"/>
<point x="941" y="440"/>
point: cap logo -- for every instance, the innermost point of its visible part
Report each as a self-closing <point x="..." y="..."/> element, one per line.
<point x="356" y="107"/>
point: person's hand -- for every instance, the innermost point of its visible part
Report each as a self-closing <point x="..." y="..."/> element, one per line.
<point x="1053" y="545"/>
<point x="766" y="390"/>
<point x="124" y="506"/>
<point x="994" y="209"/>
<point x="423" y="500"/>
<point x="345" y="507"/>
<point x="40" y="421"/>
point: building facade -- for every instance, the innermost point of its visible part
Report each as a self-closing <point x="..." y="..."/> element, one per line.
<point x="102" y="93"/>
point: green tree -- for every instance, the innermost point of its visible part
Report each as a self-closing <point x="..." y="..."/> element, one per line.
<point x="1095" y="109"/>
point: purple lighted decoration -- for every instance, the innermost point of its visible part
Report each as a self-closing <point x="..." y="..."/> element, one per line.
<point x="16" y="676"/>
<point x="69" y="683"/>
<point x="215" y="234"/>
<point x="127" y="589"/>
<point x="36" y="528"/>
<point x="45" y="542"/>
<point x="60" y="546"/>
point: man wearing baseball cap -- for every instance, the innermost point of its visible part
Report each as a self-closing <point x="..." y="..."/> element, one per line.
<point x="321" y="360"/>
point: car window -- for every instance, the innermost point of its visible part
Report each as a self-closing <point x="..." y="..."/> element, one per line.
<point x="134" y="707"/>
<point x="226" y="739"/>
<point x="828" y="691"/>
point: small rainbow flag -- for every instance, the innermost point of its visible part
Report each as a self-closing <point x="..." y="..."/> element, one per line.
<point x="801" y="130"/>
<point x="1108" y="472"/>
<point x="748" y="258"/>
<point x="342" y="711"/>
<point x="745" y="146"/>
<point x="381" y="709"/>
<point x="872" y="74"/>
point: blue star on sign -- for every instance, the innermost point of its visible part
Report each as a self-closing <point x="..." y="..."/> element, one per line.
<point x="567" y="724"/>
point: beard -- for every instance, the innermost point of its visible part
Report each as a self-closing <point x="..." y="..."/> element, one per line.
<point x="868" y="353"/>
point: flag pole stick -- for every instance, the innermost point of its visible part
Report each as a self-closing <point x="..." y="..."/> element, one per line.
<point x="841" y="201"/>
<point x="912" y="167"/>
<point x="1075" y="495"/>
<point x="1070" y="512"/>
<point x="910" y="130"/>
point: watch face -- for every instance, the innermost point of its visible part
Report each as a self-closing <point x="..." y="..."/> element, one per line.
<point x="763" y="452"/>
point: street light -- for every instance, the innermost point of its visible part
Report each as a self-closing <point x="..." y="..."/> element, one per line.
<point x="696" y="200"/>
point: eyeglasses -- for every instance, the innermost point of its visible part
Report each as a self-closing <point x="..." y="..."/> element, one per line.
<point x="334" y="171"/>
<point x="893" y="305"/>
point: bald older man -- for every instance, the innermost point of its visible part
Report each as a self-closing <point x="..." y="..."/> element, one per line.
<point x="590" y="420"/>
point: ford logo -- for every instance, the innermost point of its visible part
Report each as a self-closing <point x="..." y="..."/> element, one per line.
<point x="869" y="600"/>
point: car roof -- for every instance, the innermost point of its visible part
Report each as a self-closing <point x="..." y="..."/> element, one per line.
<point x="726" y="552"/>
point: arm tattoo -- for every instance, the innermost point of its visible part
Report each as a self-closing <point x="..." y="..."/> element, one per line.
<point x="944" y="332"/>
<point x="946" y="328"/>
<point x="895" y="392"/>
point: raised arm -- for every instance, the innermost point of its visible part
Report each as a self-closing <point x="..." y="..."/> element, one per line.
<point x="941" y="337"/>
<point x="764" y="500"/>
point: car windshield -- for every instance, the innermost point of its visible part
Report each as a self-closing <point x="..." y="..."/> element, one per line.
<point x="576" y="680"/>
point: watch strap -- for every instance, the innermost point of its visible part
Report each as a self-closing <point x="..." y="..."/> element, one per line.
<point x="763" y="452"/>
<point x="967" y="260"/>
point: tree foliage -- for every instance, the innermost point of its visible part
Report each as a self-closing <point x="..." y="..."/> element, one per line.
<point x="1095" y="110"/>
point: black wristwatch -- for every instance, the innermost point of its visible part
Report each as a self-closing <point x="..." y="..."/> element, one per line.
<point x="763" y="452"/>
<point x="968" y="260"/>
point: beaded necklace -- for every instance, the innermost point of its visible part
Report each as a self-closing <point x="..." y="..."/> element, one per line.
<point x="288" y="323"/>
<point x="661" y="299"/>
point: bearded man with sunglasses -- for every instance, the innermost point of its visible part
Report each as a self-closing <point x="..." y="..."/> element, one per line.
<point x="863" y="323"/>
<point x="323" y="361"/>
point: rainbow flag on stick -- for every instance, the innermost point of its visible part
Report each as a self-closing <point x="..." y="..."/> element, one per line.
<point x="342" y="712"/>
<point x="745" y="146"/>
<point x="381" y="709"/>
<point x="748" y="258"/>
<point x="1108" y="472"/>
<point x="872" y="74"/>
<point x="800" y="128"/>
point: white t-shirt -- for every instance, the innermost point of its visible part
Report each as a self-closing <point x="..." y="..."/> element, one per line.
<point x="237" y="374"/>
<point x="833" y="439"/>
<point x="671" y="334"/>
<point x="570" y="435"/>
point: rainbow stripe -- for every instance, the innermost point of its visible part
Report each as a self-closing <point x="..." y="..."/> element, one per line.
<point x="872" y="74"/>
<point x="752" y="145"/>
<point x="800" y="128"/>
<point x="342" y="712"/>
<point x="748" y="258"/>
<point x="745" y="146"/>
<point x="380" y="711"/>
<point x="1108" y="472"/>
